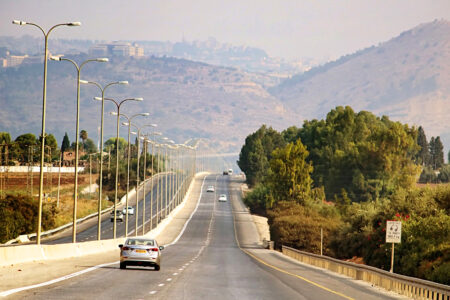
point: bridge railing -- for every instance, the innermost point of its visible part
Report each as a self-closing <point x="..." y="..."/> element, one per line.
<point x="404" y="285"/>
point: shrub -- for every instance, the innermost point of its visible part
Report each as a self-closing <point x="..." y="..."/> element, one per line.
<point x="297" y="226"/>
<point x="19" y="215"/>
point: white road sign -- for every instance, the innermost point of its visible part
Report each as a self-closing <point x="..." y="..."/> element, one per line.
<point x="393" y="231"/>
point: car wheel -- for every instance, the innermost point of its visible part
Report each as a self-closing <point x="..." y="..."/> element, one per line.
<point x="123" y="266"/>
<point x="157" y="268"/>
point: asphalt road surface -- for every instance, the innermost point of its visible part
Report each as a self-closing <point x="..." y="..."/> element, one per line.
<point x="217" y="257"/>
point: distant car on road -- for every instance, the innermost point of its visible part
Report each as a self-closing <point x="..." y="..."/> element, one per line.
<point x="130" y="210"/>
<point x="225" y="173"/>
<point x="210" y="188"/>
<point x="223" y="198"/>
<point x="119" y="216"/>
<point x="140" y="252"/>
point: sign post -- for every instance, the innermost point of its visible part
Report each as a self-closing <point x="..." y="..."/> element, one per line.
<point x="393" y="235"/>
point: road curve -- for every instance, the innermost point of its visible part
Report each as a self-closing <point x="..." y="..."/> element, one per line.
<point x="217" y="257"/>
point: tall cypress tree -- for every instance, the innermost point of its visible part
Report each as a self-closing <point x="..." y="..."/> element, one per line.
<point x="423" y="156"/>
<point x="436" y="152"/>
<point x="65" y="143"/>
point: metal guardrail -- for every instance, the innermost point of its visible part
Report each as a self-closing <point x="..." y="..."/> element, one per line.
<point x="404" y="285"/>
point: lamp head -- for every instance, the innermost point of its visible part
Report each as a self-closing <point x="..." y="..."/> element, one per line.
<point x="154" y="125"/>
<point x="98" y="98"/>
<point x="123" y="82"/>
<point x="133" y="132"/>
<point x="17" y="22"/>
<point x="57" y="58"/>
<point x="125" y="123"/>
<point x="84" y="81"/>
<point x="138" y="99"/>
<point x="145" y="114"/>
<point x="74" y="24"/>
<point x="103" y="59"/>
<point x="113" y="113"/>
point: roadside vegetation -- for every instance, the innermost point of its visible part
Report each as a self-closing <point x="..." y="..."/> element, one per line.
<point x="19" y="193"/>
<point x="347" y="175"/>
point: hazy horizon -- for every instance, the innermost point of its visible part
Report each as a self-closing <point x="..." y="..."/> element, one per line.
<point x="289" y="29"/>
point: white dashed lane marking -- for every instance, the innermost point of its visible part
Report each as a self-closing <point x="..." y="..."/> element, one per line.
<point x="161" y="284"/>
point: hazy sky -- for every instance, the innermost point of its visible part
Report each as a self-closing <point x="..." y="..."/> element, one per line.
<point x="284" y="28"/>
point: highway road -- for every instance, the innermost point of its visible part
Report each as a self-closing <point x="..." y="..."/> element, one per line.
<point x="87" y="231"/>
<point x="217" y="257"/>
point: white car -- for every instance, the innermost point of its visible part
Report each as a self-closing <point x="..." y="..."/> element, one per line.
<point x="223" y="198"/>
<point x="210" y="188"/>
<point x="140" y="252"/>
<point x="130" y="210"/>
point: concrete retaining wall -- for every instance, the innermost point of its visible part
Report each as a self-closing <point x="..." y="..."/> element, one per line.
<point x="36" y="169"/>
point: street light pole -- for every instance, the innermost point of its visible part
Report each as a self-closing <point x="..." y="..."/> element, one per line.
<point x="152" y="179"/>
<point x="77" y="138"/>
<point x="118" y="105"/>
<point x="128" y="163"/>
<point x="102" y="99"/>
<point x="138" y="133"/>
<point x="44" y="105"/>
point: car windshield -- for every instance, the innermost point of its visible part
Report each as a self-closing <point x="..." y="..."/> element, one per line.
<point x="141" y="242"/>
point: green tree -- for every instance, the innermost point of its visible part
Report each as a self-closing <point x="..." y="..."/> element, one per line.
<point x="289" y="177"/>
<point x="110" y="144"/>
<point x="89" y="146"/>
<point x="436" y="152"/>
<point x="84" y="137"/>
<point x="291" y="134"/>
<point x="368" y="156"/>
<point x="65" y="143"/>
<point x="256" y="153"/>
<point x="5" y="147"/>
<point x="423" y="156"/>
<point x="23" y="143"/>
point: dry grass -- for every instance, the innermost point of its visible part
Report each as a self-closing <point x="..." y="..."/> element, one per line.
<point x="86" y="203"/>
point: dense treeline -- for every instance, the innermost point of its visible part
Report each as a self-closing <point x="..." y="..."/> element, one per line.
<point x="348" y="174"/>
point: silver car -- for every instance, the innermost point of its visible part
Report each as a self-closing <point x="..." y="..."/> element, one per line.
<point x="140" y="252"/>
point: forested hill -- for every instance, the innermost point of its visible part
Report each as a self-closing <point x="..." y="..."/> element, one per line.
<point x="406" y="78"/>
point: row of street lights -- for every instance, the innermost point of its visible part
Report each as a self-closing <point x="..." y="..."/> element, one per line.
<point x="181" y="182"/>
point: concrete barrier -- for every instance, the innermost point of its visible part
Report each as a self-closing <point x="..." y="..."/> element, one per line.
<point x="34" y="253"/>
<point x="404" y="285"/>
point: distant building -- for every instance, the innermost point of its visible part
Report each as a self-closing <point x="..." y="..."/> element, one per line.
<point x="14" y="60"/>
<point x="116" y="49"/>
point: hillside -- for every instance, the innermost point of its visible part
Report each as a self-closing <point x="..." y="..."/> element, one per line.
<point x="186" y="99"/>
<point x="406" y="78"/>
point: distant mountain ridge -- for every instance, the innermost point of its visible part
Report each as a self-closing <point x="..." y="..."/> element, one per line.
<point x="406" y="78"/>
